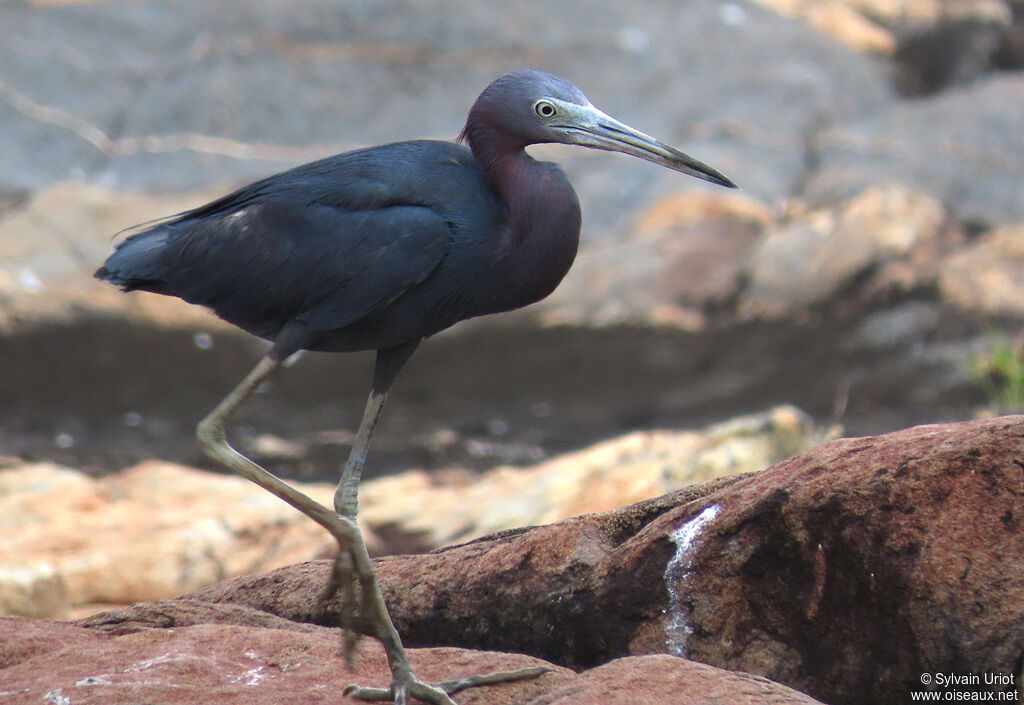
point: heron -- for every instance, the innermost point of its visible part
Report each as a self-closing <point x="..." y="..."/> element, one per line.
<point x="378" y="249"/>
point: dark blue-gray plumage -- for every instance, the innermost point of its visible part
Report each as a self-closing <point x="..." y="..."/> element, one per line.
<point x="378" y="249"/>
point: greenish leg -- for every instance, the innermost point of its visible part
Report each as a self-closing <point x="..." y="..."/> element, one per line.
<point x="352" y="565"/>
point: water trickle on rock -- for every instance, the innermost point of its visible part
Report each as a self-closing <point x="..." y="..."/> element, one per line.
<point x="678" y="629"/>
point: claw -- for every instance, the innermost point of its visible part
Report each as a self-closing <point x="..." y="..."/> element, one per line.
<point x="400" y="693"/>
<point x="522" y="674"/>
<point x="438" y="694"/>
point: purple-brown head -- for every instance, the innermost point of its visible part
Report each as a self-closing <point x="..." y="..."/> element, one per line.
<point x="531" y="107"/>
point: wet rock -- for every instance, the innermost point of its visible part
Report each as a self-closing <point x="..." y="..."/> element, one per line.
<point x="886" y="550"/>
<point x="158" y="529"/>
<point x="891" y="550"/>
<point x="580" y="593"/>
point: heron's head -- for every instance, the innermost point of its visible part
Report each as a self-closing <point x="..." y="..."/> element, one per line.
<point x="531" y="107"/>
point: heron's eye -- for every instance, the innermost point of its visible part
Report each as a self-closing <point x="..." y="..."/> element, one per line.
<point x="544" y="109"/>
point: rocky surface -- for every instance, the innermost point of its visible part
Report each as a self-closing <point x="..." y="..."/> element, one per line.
<point x="935" y="43"/>
<point x="222" y="663"/>
<point x="984" y="276"/>
<point x="48" y="661"/>
<point x="871" y="253"/>
<point x="886" y="238"/>
<point x="48" y="276"/>
<point x="895" y="549"/>
<point x="151" y="532"/>
<point x="70" y="543"/>
<point x="220" y="104"/>
<point x="876" y="144"/>
<point x="954" y="146"/>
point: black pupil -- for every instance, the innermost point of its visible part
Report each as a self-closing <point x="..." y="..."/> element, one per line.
<point x="546" y="110"/>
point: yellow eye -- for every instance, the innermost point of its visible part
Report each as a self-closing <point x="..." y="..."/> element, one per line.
<point x="544" y="109"/>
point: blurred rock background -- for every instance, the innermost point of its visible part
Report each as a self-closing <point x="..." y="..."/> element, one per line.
<point x="870" y="272"/>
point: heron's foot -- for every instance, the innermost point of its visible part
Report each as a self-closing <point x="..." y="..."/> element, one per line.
<point x="353" y="577"/>
<point x="439" y="694"/>
<point x="345" y="580"/>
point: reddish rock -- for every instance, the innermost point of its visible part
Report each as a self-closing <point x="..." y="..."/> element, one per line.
<point x="845" y="572"/>
<point x="223" y="664"/>
<point x="579" y="592"/>
<point x="170" y="614"/>
<point x="25" y="639"/>
<point x="69" y="542"/>
<point x="667" y="680"/>
<point x="232" y="663"/>
<point x="849" y="571"/>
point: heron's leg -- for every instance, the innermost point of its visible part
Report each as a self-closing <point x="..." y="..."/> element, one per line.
<point x="346" y="496"/>
<point x="352" y="551"/>
<point x="389" y="362"/>
<point x="213" y="441"/>
<point x="352" y="564"/>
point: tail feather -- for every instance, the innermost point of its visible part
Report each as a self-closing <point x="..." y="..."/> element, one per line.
<point x="135" y="263"/>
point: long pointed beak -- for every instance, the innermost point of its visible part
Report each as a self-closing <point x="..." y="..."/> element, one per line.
<point x="587" y="126"/>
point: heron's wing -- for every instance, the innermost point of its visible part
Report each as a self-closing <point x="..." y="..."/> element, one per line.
<point x="275" y="260"/>
<point x="397" y="248"/>
<point x="413" y="172"/>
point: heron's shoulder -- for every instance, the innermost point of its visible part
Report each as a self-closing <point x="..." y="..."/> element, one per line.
<point x="385" y="158"/>
<point x="421" y="172"/>
<point x="438" y="175"/>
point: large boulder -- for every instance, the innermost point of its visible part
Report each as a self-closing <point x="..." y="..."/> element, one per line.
<point x="231" y="662"/>
<point x="69" y="542"/>
<point x="155" y="531"/>
<point x="846" y="572"/>
<point x="955" y="146"/>
<point x="281" y="85"/>
<point x="987" y="275"/>
<point x="885" y="237"/>
<point x="223" y="663"/>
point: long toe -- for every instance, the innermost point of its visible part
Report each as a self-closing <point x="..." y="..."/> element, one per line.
<point x="522" y="674"/>
<point x="439" y="694"/>
<point x="400" y="693"/>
